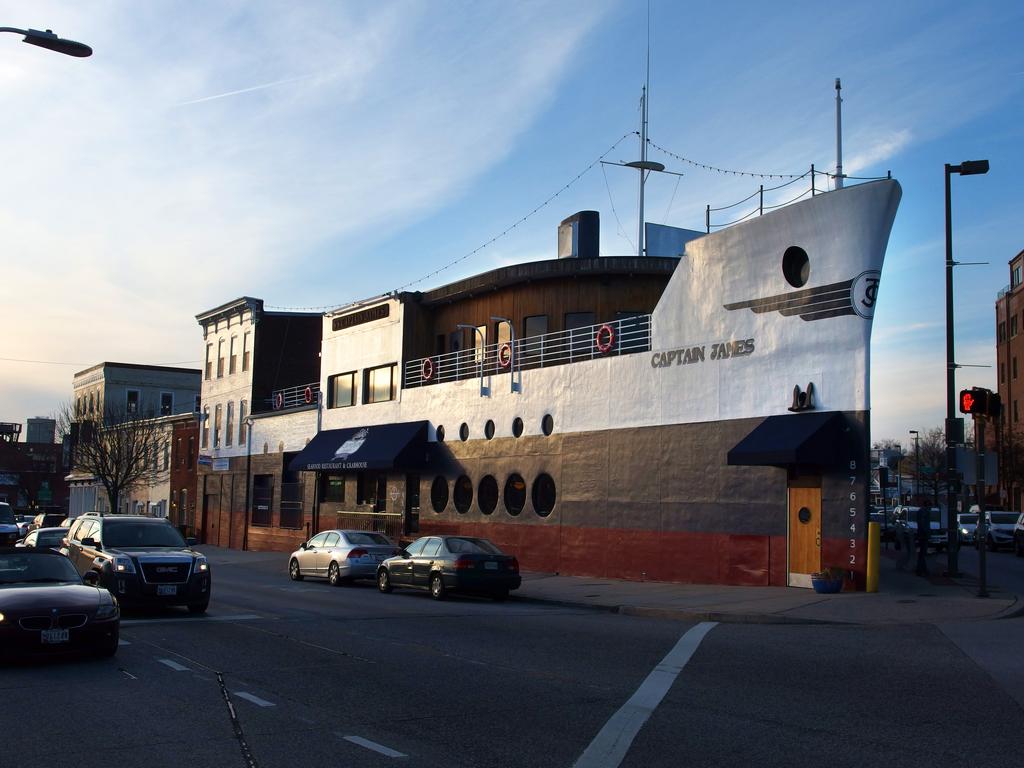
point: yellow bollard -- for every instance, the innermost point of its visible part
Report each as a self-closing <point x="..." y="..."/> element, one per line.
<point x="874" y="547"/>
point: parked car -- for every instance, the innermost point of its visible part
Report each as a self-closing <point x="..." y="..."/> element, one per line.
<point x="52" y="538"/>
<point x="1000" y="526"/>
<point x="340" y="556"/>
<point x="9" y="530"/>
<point x="967" y="525"/>
<point x="23" y="522"/>
<point x="1018" y="536"/>
<point x="451" y="563"/>
<point x="141" y="560"/>
<point x="906" y="520"/>
<point x="46" y="520"/>
<point x="46" y="607"/>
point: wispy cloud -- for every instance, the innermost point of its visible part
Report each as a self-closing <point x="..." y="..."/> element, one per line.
<point x="263" y="86"/>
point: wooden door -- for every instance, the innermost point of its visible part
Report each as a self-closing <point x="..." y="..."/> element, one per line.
<point x="804" y="535"/>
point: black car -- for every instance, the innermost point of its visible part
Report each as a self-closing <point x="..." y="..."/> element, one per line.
<point x="10" y="531"/>
<point x="143" y="561"/>
<point x="46" y="608"/>
<point x="451" y="563"/>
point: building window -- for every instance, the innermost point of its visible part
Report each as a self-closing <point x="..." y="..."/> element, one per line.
<point x="233" y="355"/>
<point x="1002" y="331"/>
<point x="220" y="358"/>
<point x="463" y="494"/>
<point x="246" y="351"/>
<point x="489" y="429"/>
<point x="515" y="494"/>
<point x="166" y="403"/>
<point x="167" y="456"/>
<point x="578" y="330"/>
<point x="578" y="320"/>
<point x="195" y="406"/>
<point x="487" y="494"/>
<point x="535" y="325"/>
<point x="479" y="343"/>
<point x="181" y="453"/>
<point x="1016" y="415"/>
<point x="216" y="425"/>
<point x="1013" y="326"/>
<point x="547" y="424"/>
<point x="1015" y="276"/>
<point x="209" y="361"/>
<point x="439" y="494"/>
<point x="380" y="383"/>
<point x="131" y="406"/>
<point x="341" y="390"/>
<point x="262" y="497"/>
<point x="191" y="452"/>
<point x="332" y="488"/>
<point x="543" y="495"/>
<point x="205" y="442"/>
<point x="90" y="404"/>
<point x="229" y="426"/>
<point x="1002" y="373"/>
<point x="517" y="427"/>
<point x="1014" y="374"/>
<point x="243" y="412"/>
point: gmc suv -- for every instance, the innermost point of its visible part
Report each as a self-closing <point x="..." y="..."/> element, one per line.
<point x="140" y="560"/>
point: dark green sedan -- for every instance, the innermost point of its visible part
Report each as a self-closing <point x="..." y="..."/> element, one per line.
<point x="443" y="564"/>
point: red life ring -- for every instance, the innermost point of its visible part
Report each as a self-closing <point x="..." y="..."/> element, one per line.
<point x="309" y="395"/>
<point x="427" y="369"/>
<point x="278" y="401"/>
<point x="604" y="346"/>
<point x="505" y="355"/>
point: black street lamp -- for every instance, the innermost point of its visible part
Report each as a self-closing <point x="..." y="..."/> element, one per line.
<point x="51" y="41"/>
<point x="954" y="426"/>
<point x="917" y="465"/>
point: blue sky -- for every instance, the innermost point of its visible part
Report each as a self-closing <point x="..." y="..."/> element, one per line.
<point x="312" y="153"/>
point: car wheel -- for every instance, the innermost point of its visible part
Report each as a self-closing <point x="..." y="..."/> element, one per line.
<point x="437" y="590"/>
<point x="198" y="608"/>
<point x="334" y="575"/>
<point x="383" y="580"/>
<point x="293" y="570"/>
<point x="500" y="596"/>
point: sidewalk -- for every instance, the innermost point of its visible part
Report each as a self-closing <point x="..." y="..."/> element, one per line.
<point x="903" y="598"/>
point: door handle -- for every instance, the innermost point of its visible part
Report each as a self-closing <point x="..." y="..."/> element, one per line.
<point x="817" y="537"/>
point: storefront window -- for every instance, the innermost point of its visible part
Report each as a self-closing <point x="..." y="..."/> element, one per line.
<point x="333" y="488"/>
<point x="439" y="494"/>
<point x="515" y="494"/>
<point x="487" y="494"/>
<point x="342" y="390"/>
<point x="543" y="495"/>
<point x="463" y="494"/>
<point x="380" y="384"/>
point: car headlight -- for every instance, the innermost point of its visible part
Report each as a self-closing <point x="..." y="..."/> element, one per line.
<point x="123" y="565"/>
<point x="107" y="611"/>
<point x="202" y="565"/>
<point x="1" y="617"/>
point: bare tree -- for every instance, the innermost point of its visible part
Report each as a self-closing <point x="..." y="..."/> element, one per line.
<point x="121" y="450"/>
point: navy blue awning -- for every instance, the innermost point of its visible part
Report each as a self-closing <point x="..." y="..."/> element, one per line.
<point x="382" y="446"/>
<point x="813" y="438"/>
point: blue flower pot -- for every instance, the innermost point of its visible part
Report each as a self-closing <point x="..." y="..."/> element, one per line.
<point x="827" y="586"/>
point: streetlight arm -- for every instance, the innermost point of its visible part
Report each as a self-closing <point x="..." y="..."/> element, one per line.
<point x="51" y="41"/>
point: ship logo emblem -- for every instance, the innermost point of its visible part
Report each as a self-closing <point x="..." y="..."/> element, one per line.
<point x="849" y="297"/>
<point x="352" y="445"/>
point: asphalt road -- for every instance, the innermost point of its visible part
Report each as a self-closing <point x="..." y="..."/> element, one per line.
<point x="303" y="674"/>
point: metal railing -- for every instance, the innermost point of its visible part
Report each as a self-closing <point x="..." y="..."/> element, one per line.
<point x="388" y="523"/>
<point x="617" y="337"/>
<point x="293" y="397"/>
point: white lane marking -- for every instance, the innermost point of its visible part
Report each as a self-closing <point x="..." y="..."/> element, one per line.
<point x="190" y="620"/>
<point x="379" y="748"/>
<point x="613" y="741"/>
<point x="173" y="665"/>
<point x="254" y="699"/>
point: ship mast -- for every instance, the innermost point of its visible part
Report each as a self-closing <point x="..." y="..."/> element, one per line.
<point x="839" y="136"/>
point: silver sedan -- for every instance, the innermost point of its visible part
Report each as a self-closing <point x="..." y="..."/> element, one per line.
<point x="341" y="556"/>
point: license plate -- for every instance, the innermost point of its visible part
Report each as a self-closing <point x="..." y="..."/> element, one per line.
<point x="490" y="566"/>
<point x="52" y="636"/>
<point x="167" y="589"/>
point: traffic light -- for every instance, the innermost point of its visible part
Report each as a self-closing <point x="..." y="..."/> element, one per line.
<point x="980" y="402"/>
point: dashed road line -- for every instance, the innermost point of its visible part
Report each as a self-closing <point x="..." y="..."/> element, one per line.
<point x="247" y="755"/>
<point x="174" y="665"/>
<point x="254" y="699"/>
<point x="379" y="748"/>
<point x="612" y="742"/>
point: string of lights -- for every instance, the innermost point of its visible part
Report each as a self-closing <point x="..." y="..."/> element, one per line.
<point x="79" y="365"/>
<point x="493" y="240"/>
<point x="726" y="171"/>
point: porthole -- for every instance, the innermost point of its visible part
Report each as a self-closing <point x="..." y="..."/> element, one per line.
<point x="440" y="433"/>
<point x="547" y="424"/>
<point x="543" y="495"/>
<point x="464" y="432"/>
<point x="489" y="429"/>
<point x="487" y="494"/>
<point x="439" y="494"/>
<point x="515" y="494"/>
<point x="463" y="494"/>
<point x="517" y="427"/>
<point x="796" y="266"/>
